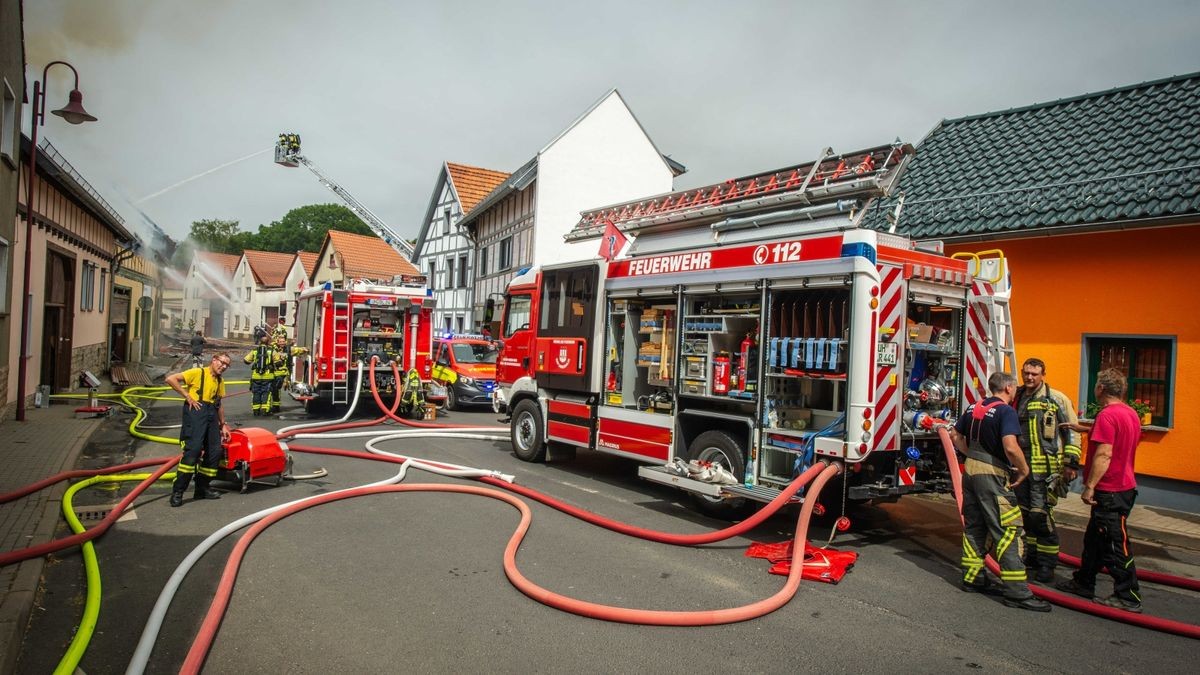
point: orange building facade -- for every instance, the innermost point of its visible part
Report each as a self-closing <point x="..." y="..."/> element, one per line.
<point x="1071" y="291"/>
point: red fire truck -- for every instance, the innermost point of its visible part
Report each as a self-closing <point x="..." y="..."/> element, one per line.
<point x="754" y="324"/>
<point x="342" y="326"/>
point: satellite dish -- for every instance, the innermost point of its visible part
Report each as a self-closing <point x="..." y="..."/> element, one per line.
<point x="145" y="302"/>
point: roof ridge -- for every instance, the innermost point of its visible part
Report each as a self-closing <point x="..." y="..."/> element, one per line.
<point x="477" y="168"/>
<point x="1073" y="99"/>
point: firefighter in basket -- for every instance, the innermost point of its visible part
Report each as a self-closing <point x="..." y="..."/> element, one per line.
<point x="1052" y="451"/>
<point x="204" y="431"/>
<point x="263" y="361"/>
<point x="283" y="368"/>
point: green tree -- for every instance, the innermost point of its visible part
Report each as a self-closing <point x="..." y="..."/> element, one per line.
<point x="215" y="235"/>
<point x="304" y="228"/>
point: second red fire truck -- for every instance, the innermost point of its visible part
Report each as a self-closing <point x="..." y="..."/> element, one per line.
<point x="340" y="327"/>
<point x="757" y="326"/>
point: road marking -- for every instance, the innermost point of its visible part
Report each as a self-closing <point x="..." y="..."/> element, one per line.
<point x="579" y="487"/>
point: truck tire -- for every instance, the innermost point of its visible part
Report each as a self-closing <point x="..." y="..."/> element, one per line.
<point x="451" y="398"/>
<point x="720" y="448"/>
<point x="526" y="431"/>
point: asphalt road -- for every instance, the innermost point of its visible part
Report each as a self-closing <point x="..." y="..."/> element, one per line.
<point x="415" y="583"/>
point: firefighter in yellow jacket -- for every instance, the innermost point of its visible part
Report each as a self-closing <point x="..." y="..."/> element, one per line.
<point x="1052" y="451"/>
<point x="283" y="369"/>
<point x="263" y="361"/>
<point x="204" y="430"/>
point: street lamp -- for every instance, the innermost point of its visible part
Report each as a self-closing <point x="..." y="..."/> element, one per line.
<point x="73" y="113"/>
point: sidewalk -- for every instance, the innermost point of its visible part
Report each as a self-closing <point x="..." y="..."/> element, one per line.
<point x="1147" y="523"/>
<point x="47" y="442"/>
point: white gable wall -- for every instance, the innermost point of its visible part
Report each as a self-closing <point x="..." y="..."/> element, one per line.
<point x="605" y="158"/>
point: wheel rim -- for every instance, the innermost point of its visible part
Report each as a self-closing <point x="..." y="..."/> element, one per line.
<point x="524" y="431"/>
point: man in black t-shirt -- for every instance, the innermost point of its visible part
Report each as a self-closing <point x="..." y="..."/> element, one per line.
<point x="987" y="435"/>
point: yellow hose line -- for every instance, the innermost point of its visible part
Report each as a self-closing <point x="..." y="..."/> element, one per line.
<point x="91" y="608"/>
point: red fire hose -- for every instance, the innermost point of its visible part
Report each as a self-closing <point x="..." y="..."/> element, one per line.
<point x="212" y="620"/>
<point x="100" y="528"/>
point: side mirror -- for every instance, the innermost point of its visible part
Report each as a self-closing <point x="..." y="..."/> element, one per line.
<point x="489" y="310"/>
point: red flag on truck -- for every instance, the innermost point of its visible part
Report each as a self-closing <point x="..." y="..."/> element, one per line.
<point x="613" y="241"/>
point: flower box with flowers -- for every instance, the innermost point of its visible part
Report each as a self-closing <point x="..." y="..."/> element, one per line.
<point x="1144" y="410"/>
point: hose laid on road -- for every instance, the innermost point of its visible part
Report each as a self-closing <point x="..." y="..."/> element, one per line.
<point x="1063" y="599"/>
<point x="91" y="567"/>
<point x="145" y="645"/>
<point x="76" y="539"/>
<point x="203" y="642"/>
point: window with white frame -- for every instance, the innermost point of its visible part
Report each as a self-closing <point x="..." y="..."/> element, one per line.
<point x="8" y="122"/>
<point x="447" y="213"/>
<point x="504" y="259"/>
<point x="462" y="272"/>
<point x="481" y="268"/>
<point x="449" y="273"/>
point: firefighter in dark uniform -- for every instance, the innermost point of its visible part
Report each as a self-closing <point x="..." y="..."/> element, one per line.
<point x="262" y="360"/>
<point x="987" y="434"/>
<point x="1052" y="450"/>
<point x="204" y="428"/>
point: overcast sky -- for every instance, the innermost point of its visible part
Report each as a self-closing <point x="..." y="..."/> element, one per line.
<point x="383" y="91"/>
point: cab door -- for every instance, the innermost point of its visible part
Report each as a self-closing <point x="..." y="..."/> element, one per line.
<point x="516" y="355"/>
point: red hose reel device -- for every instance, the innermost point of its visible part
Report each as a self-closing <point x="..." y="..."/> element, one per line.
<point x="252" y="455"/>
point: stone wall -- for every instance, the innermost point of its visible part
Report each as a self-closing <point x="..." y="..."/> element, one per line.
<point x="91" y="357"/>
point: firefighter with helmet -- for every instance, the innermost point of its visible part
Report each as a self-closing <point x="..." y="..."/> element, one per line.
<point x="263" y="363"/>
<point x="1052" y="451"/>
<point x="283" y="368"/>
<point x="203" y="430"/>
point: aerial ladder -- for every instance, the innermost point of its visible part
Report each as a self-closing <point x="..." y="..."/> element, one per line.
<point x="287" y="153"/>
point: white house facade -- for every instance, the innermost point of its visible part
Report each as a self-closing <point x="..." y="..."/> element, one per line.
<point x="443" y="252"/>
<point x="603" y="157"/>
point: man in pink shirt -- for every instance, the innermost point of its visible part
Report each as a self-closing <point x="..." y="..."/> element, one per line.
<point x="1109" y="486"/>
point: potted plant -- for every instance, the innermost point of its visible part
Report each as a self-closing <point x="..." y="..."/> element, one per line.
<point x="1143" y="408"/>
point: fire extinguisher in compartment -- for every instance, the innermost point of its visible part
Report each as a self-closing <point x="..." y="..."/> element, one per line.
<point x="747" y="358"/>
<point x="720" y="383"/>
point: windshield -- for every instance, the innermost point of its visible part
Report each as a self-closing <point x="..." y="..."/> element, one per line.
<point x="473" y="352"/>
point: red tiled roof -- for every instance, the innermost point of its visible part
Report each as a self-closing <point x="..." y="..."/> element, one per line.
<point x="308" y="261"/>
<point x="473" y="183"/>
<point x="368" y="256"/>
<point x="218" y="261"/>
<point x="269" y="268"/>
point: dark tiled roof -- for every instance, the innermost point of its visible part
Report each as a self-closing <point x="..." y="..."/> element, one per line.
<point x="1131" y="153"/>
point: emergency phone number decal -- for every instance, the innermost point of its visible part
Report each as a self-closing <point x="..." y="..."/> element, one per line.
<point x="726" y="258"/>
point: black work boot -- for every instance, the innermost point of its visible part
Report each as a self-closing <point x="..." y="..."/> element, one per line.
<point x="176" y="498"/>
<point x="1031" y="603"/>
<point x="202" y="491"/>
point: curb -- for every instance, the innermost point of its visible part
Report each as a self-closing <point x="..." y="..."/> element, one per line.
<point x="17" y="606"/>
<point x="1136" y="533"/>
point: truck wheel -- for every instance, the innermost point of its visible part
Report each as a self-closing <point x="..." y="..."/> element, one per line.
<point x="451" y="398"/>
<point x="720" y="448"/>
<point x="527" y="440"/>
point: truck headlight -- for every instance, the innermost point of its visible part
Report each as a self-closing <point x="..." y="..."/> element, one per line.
<point x="470" y="382"/>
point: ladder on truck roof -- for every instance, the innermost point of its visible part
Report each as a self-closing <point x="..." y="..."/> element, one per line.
<point x="341" y="347"/>
<point x="287" y="153"/>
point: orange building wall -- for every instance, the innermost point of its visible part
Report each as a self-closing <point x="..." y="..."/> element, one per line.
<point x="1141" y="282"/>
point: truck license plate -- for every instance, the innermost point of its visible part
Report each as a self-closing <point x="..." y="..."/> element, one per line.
<point x="887" y="353"/>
